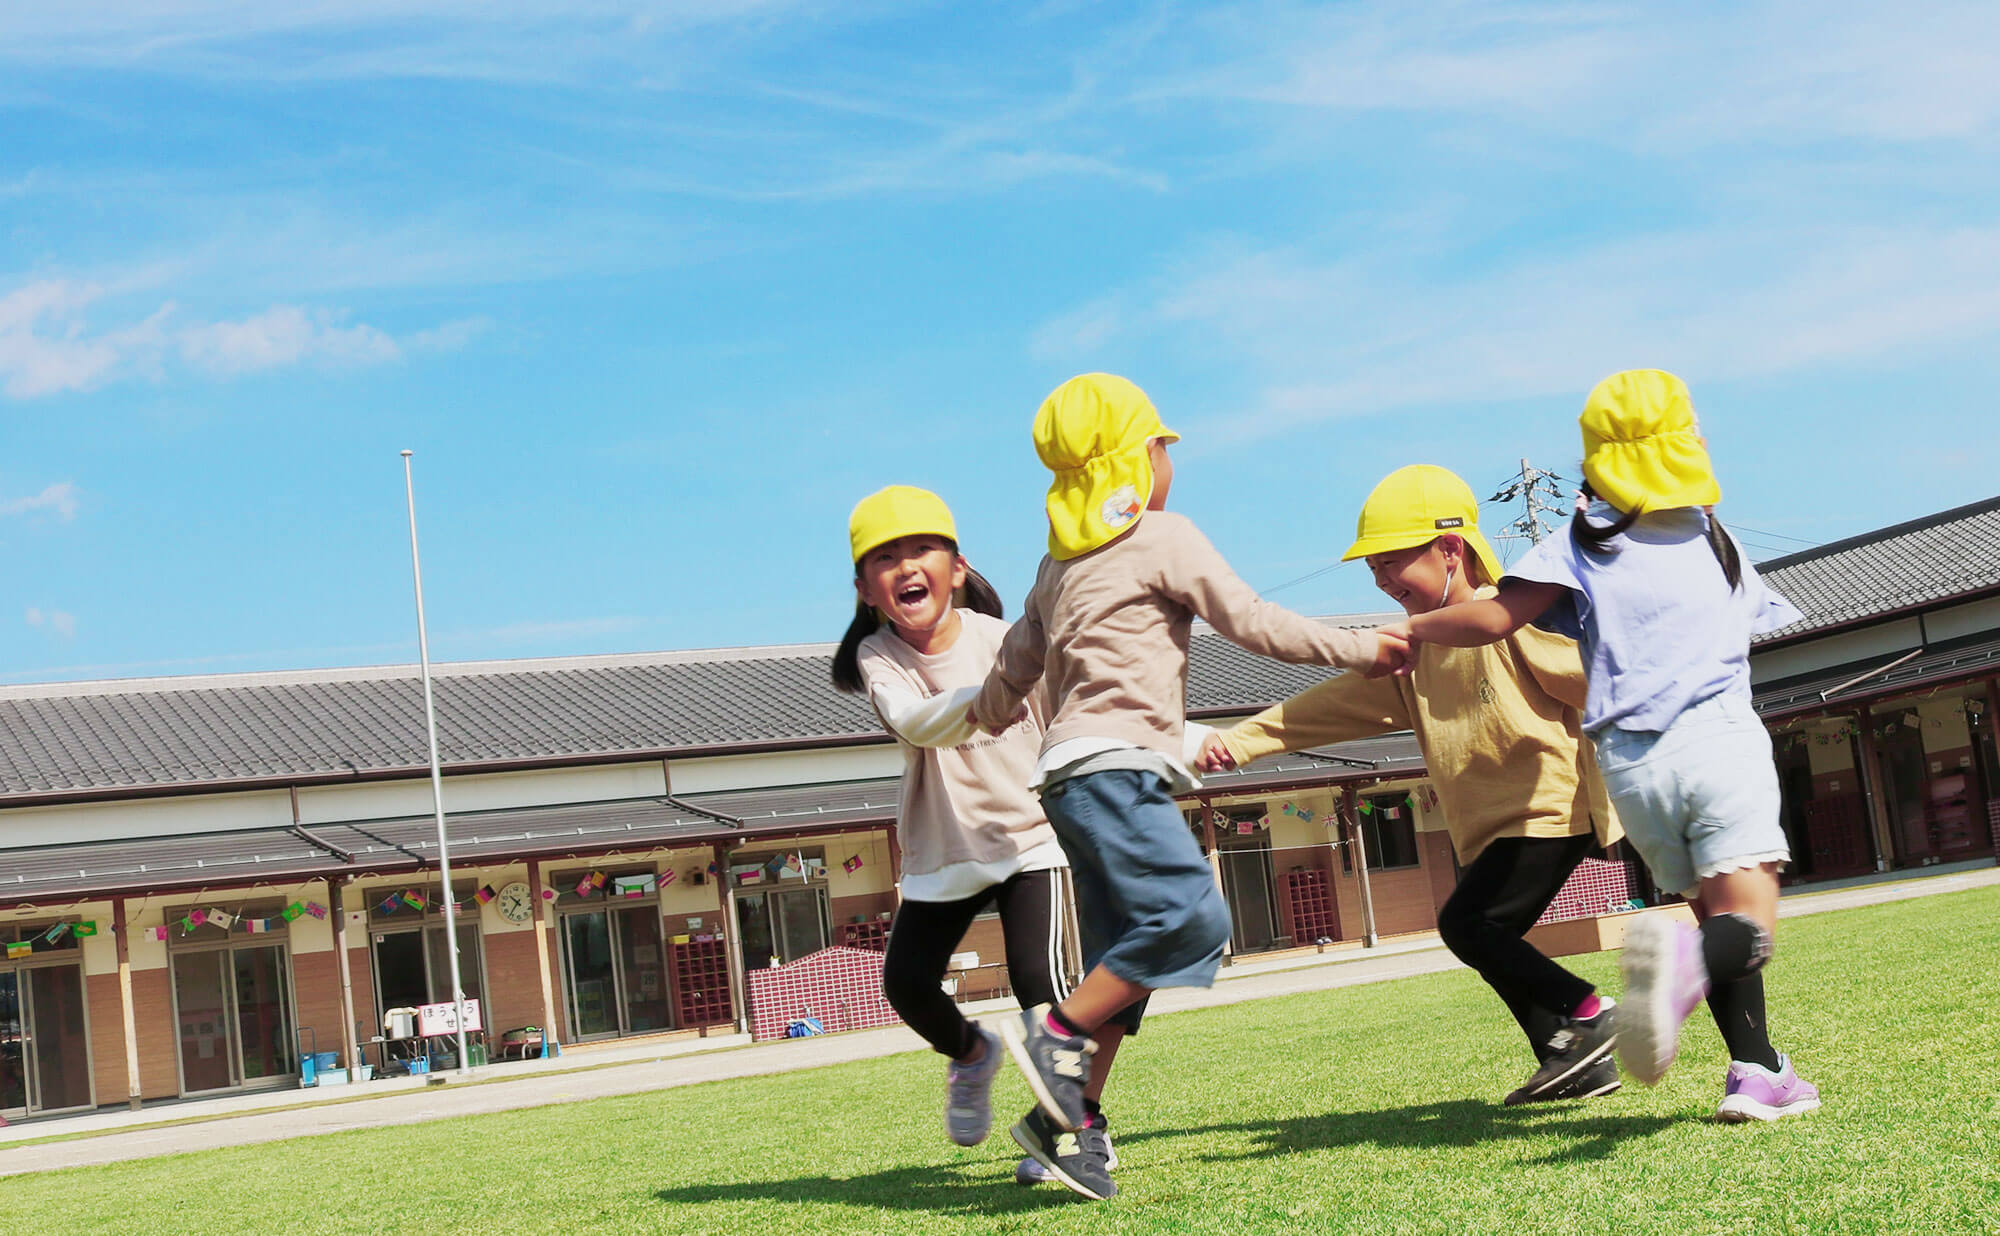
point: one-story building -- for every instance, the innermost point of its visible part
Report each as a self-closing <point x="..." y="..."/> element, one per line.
<point x="204" y="879"/>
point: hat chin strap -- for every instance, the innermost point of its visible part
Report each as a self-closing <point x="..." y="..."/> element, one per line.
<point x="1444" y="598"/>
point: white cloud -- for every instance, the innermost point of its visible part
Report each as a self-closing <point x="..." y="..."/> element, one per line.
<point x="1686" y="74"/>
<point x="1358" y="336"/>
<point x="56" y="621"/>
<point x="282" y="335"/>
<point x="60" y="498"/>
<point x="47" y="344"/>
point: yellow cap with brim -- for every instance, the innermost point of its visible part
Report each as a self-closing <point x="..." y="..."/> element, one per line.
<point x="1642" y="447"/>
<point x="1092" y="433"/>
<point x="898" y="511"/>
<point x="1416" y="505"/>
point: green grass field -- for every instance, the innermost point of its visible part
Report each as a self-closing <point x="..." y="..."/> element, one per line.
<point x="1366" y="1109"/>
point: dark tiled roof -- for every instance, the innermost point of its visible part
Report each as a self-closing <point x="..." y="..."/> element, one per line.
<point x="409" y="843"/>
<point x="1884" y="674"/>
<point x="219" y="732"/>
<point x="1950" y="554"/>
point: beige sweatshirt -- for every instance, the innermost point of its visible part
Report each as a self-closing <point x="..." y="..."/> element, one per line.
<point x="1109" y="631"/>
<point x="965" y="796"/>
<point x="1499" y="727"/>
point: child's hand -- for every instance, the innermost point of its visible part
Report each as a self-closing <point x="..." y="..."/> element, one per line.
<point x="1394" y="653"/>
<point x="1214" y="756"/>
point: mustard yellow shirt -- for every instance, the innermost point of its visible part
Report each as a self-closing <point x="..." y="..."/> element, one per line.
<point x="1499" y="727"/>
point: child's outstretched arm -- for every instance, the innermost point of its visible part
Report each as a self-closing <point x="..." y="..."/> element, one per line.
<point x="936" y="721"/>
<point x="1017" y="667"/>
<point x="1473" y="623"/>
<point x="1340" y="709"/>
<point x="1200" y="579"/>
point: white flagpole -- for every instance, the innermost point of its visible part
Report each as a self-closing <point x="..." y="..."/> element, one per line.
<point x="437" y="774"/>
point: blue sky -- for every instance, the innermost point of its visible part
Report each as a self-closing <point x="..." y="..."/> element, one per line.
<point x="656" y="291"/>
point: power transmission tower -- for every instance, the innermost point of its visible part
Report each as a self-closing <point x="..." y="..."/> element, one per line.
<point x="1541" y="494"/>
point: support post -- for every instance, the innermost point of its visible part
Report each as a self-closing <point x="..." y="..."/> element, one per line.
<point x="1360" y="843"/>
<point x="739" y="987"/>
<point x="121" y="927"/>
<point x="1215" y="872"/>
<point x="550" y="1031"/>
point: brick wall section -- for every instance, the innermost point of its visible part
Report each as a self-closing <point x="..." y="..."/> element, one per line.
<point x="514" y="989"/>
<point x="842" y="987"/>
<point x="361" y="972"/>
<point x="107" y="1037"/>
<point x="316" y="991"/>
<point x="1442" y="863"/>
<point x="153" y="1004"/>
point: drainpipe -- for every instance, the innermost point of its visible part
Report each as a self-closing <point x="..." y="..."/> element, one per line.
<point x="350" y="1040"/>
<point x="1871" y="788"/>
<point x="121" y="928"/>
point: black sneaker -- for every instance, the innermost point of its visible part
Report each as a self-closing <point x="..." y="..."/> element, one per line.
<point x="1574" y="1051"/>
<point x="1600" y="1078"/>
<point x="1056" y="1068"/>
<point x="1076" y="1159"/>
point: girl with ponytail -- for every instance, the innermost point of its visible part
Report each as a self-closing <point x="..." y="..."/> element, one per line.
<point x="1663" y="606"/>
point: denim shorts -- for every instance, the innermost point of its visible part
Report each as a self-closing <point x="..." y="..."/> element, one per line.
<point x="1699" y="798"/>
<point x="1146" y="899"/>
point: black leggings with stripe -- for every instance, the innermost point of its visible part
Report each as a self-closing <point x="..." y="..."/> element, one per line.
<point x="926" y="934"/>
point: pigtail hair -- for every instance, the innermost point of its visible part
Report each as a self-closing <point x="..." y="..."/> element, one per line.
<point x="1593" y="539"/>
<point x="981" y="597"/>
<point x="847" y="658"/>
<point x="1724" y="546"/>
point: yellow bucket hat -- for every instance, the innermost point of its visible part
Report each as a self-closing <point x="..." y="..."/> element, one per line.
<point x="899" y="510"/>
<point x="1092" y="433"/>
<point x="1642" y="447"/>
<point x="1416" y="505"/>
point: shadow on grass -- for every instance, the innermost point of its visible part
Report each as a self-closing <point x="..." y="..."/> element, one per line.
<point x="1433" y="1126"/>
<point x="985" y="1187"/>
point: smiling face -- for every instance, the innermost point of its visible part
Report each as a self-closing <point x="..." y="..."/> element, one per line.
<point x="911" y="581"/>
<point x="1416" y="578"/>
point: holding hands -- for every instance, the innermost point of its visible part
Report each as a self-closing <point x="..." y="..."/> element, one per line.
<point x="1395" y="651"/>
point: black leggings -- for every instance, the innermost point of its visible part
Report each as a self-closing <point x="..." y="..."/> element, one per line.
<point x="1487" y="916"/>
<point x="926" y="934"/>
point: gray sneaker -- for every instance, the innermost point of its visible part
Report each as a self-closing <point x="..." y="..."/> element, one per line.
<point x="968" y="1093"/>
<point x="1029" y="1171"/>
<point x="1055" y="1068"/>
<point x="1074" y="1159"/>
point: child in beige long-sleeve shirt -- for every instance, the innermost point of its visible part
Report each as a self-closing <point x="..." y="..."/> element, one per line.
<point x="1106" y="625"/>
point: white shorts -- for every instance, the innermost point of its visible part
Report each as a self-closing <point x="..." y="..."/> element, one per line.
<point x="1699" y="799"/>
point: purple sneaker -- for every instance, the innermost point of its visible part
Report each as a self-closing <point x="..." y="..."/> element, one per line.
<point x="1665" y="980"/>
<point x="1754" y="1092"/>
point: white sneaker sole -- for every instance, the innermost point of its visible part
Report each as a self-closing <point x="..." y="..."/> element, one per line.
<point x="1649" y="1032"/>
<point x="1736" y="1109"/>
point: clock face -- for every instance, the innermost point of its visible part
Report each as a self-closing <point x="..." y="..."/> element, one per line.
<point x="514" y="903"/>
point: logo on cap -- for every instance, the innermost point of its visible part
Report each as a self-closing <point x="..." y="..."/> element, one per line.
<point x="1454" y="521"/>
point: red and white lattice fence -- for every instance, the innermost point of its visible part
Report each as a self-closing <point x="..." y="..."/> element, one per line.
<point x="1595" y="887"/>
<point x="841" y="987"/>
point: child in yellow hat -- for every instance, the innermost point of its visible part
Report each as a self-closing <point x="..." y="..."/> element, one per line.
<point x="1499" y="727"/>
<point x="1105" y="628"/>
<point x="973" y="835"/>
<point x="1664" y="606"/>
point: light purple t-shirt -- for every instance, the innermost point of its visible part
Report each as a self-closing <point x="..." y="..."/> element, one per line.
<point x="1659" y="627"/>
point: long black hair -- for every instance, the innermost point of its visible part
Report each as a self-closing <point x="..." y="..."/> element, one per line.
<point x="1596" y="539"/>
<point x="977" y="595"/>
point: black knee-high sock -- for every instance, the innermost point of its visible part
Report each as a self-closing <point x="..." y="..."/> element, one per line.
<point x="1735" y="950"/>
